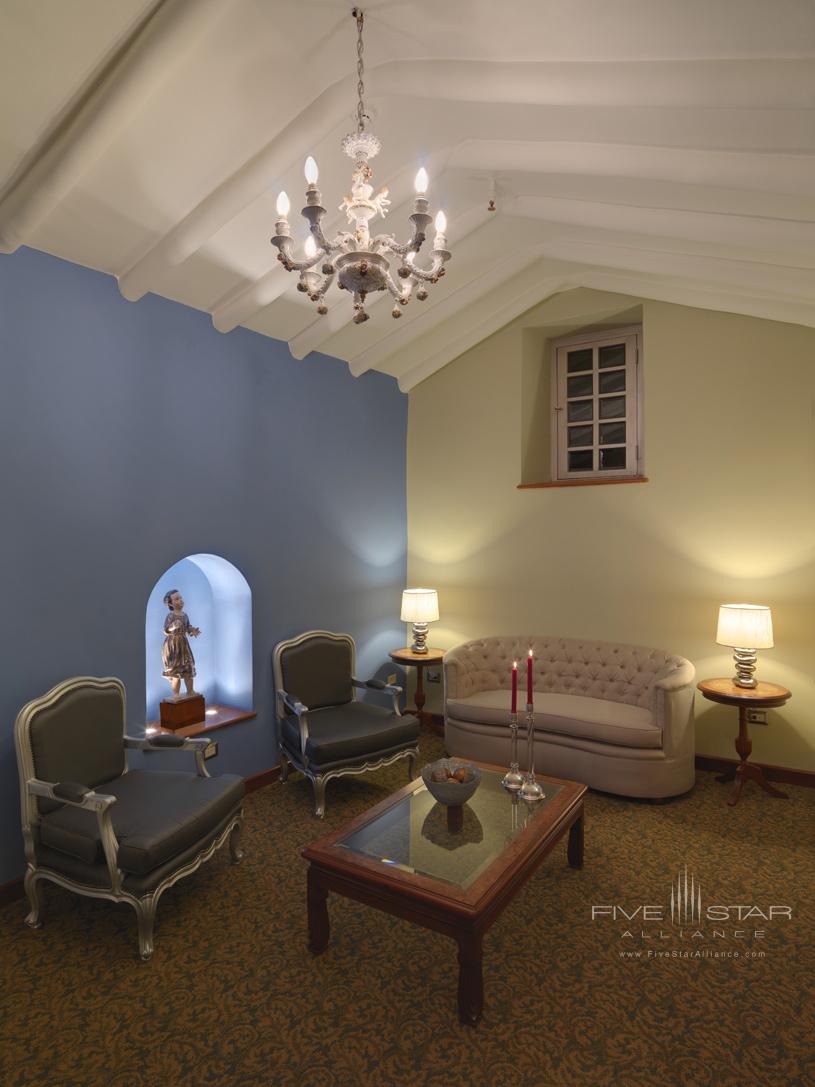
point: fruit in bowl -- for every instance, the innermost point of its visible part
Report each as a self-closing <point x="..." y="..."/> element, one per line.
<point x="451" y="782"/>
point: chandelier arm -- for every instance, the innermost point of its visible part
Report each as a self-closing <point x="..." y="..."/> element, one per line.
<point x="398" y="293"/>
<point x="432" y="273"/>
<point x="292" y="265"/>
<point x="327" y="281"/>
<point x="340" y="240"/>
<point x="387" y="241"/>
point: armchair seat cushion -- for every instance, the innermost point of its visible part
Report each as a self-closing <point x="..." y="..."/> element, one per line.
<point x="350" y="732"/>
<point x="156" y="816"/>
<point x="568" y="715"/>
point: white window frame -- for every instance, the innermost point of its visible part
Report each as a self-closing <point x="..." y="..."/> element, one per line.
<point x="631" y="336"/>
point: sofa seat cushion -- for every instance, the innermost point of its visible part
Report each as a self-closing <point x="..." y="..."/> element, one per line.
<point x="568" y="715"/>
<point x="156" y="816"/>
<point x="350" y="733"/>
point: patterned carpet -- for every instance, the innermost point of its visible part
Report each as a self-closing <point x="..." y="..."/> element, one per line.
<point x="233" y="998"/>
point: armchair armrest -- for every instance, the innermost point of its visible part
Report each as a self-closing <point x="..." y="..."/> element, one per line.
<point x="81" y="796"/>
<point x="290" y="704"/>
<point x="70" y="792"/>
<point x="377" y="685"/>
<point x="166" y="741"/>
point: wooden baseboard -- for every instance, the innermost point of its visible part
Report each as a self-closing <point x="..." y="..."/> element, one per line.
<point x="14" y="890"/>
<point x="785" y="774"/>
<point x="265" y="777"/>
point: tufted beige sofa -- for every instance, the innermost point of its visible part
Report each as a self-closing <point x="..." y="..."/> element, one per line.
<point x="616" y="717"/>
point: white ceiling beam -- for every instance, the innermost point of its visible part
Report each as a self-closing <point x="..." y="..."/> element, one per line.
<point x="774" y="172"/>
<point x="747" y="83"/>
<point x="100" y="112"/>
<point x="745" y="230"/>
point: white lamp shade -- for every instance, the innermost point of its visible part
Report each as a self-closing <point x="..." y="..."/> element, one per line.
<point x="745" y="626"/>
<point x="420" y="606"/>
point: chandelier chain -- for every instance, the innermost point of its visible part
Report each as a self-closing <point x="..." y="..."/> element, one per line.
<point x="361" y="114"/>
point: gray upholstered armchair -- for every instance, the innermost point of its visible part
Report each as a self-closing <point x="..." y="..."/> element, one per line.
<point x="98" y="829"/>
<point x="325" y="731"/>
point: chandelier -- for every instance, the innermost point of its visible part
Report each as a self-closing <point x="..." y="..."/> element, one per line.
<point x="360" y="263"/>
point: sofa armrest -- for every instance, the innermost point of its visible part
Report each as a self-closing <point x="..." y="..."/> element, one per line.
<point x="674" y="710"/>
<point x="682" y="676"/>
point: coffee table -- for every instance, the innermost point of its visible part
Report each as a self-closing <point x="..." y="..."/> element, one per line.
<point x="452" y="870"/>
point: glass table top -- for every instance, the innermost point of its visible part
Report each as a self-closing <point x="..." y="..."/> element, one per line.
<point x="419" y="835"/>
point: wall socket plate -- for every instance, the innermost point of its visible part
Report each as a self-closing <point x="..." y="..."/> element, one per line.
<point x="433" y="675"/>
<point x="757" y="717"/>
<point x="391" y="680"/>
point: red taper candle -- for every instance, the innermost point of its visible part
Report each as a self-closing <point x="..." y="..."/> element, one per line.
<point x="514" y="687"/>
<point x="529" y="679"/>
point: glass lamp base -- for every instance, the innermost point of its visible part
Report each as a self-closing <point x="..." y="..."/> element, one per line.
<point x="513" y="779"/>
<point x="531" y="790"/>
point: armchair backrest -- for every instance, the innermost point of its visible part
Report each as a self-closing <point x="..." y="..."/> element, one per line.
<point x="73" y="733"/>
<point x="316" y="668"/>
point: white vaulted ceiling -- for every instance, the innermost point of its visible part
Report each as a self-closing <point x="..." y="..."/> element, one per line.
<point x="661" y="148"/>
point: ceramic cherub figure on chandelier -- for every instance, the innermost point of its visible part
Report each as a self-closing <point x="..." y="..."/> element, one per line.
<point x="176" y="653"/>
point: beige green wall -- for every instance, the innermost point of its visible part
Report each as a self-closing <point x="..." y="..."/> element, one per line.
<point x="728" y="514"/>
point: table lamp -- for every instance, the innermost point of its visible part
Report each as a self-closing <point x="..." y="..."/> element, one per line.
<point x="420" y="607"/>
<point x="745" y="628"/>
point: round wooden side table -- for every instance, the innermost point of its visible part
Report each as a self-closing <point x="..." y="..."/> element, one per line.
<point x="762" y="696"/>
<point x="419" y="661"/>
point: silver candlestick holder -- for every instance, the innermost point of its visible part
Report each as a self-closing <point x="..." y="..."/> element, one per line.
<point x="530" y="790"/>
<point x="513" y="779"/>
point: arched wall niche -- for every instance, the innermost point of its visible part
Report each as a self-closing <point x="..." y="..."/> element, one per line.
<point x="217" y="598"/>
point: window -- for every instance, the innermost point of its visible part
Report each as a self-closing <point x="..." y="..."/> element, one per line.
<point x="597" y="396"/>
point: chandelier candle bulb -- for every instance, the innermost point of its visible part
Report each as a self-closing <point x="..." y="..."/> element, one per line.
<point x="311" y="171"/>
<point x="311" y="247"/>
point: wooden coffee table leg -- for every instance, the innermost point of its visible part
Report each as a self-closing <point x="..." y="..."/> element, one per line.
<point x="575" y="847"/>
<point x="470" y="978"/>
<point x="319" y="928"/>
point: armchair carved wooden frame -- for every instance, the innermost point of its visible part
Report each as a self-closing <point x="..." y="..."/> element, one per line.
<point x="325" y="731"/>
<point x="69" y="824"/>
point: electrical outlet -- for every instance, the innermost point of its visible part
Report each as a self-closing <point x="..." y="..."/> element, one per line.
<point x="433" y="675"/>
<point x="391" y="680"/>
<point x="757" y="717"/>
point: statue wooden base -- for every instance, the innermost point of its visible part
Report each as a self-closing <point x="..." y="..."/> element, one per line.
<point x="186" y="711"/>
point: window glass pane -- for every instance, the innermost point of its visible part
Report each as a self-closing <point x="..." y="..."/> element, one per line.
<point x="581" y="462"/>
<point x="578" y="360"/>
<point x="580" y="386"/>
<point x="612" y="355"/>
<point x="612" y="458"/>
<point x="581" y="435"/>
<point x="613" y="382"/>
<point x="612" y="433"/>
<point x="580" y="411"/>
<point x="612" y="407"/>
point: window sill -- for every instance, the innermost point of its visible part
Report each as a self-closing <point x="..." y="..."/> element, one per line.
<point x="582" y="482"/>
<point x="223" y="717"/>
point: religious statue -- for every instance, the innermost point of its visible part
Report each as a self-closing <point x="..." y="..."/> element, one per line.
<point x="179" y="662"/>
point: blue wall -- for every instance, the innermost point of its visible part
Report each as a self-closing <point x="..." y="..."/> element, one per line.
<point x="134" y="435"/>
